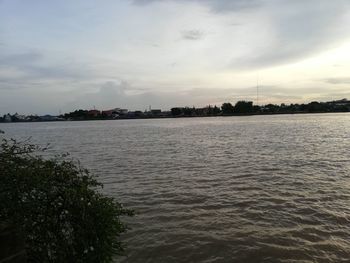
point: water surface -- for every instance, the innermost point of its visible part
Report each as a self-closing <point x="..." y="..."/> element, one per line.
<point x="235" y="189"/>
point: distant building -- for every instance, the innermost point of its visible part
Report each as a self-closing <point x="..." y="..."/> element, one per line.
<point x="33" y="118"/>
<point x="166" y="113"/>
<point x="94" y="113"/>
<point x="19" y="117"/>
<point x="48" y="118"/>
<point x="107" y="113"/>
<point x="138" y="113"/>
<point x="115" y="113"/>
<point x="156" y="112"/>
<point x="8" y="118"/>
<point x="123" y="111"/>
<point x="135" y="114"/>
<point x="343" y="102"/>
<point x="340" y="105"/>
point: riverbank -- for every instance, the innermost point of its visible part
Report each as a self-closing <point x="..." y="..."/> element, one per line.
<point x="176" y="117"/>
<point x="241" y="108"/>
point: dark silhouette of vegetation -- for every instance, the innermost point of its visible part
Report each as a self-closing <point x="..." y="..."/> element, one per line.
<point x="177" y="112"/>
<point x="58" y="207"/>
<point x="195" y="112"/>
<point x="227" y="109"/>
<point x="248" y="108"/>
<point x="213" y="111"/>
<point x="113" y="114"/>
<point x="79" y="115"/>
<point x="244" y="107"/>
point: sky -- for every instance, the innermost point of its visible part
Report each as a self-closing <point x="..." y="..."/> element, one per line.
<point x="58" y="56"/>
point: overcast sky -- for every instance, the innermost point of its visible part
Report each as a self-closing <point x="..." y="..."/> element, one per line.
<point x="64" y="54"/>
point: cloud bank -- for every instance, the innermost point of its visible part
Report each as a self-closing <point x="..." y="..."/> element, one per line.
<point x="164" y="53"/>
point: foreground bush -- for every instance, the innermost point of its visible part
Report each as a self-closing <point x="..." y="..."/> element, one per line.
<point x="58" y="207"/>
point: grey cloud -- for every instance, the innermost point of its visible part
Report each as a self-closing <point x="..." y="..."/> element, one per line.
<point x="34" y="68"/>
<point x="301" y="29"/>
<point x="281" y="98"/>
<point x="145" y="2"/>
<point x="58" y="71"/>
<point x="269" y="90"/>
<point x="232" y="5"/>
<point x="269" y="94"/>
<point x="20" y="58"/>
<point x="287" y="94"/>
<point x="273" y="56"/>
<point x="344" y="80"/>
<point x="214" y="5"/>
<point x="17" y="83"/>
<point x="112" y="95"/>
<point x="28" y="102"/>
<point x="279" y="94"/>
<point x="192" y="34"/>
<point x="207" y="92"/>
<point x="333" y="96"/>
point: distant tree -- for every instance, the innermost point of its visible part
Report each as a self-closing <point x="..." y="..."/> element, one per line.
<point x="188" y="111"/>
<point x="342" y="108"/>
<point x="315" y="106"/>
<point x="216" y="110"/>
<point x="303" y="107"/>
<point x="139" y="114"/>
<point x="256" y="108"/>
<point x="77" y="115"/>
<point x="210" y="110"/>
<point x="227" y="108"/>
<point x="243" y="107"/>
<point x="14" y="117"/>
<point x="272" y="108"/>
<point x="176" y="112"/>
<point x="292" y="107"/>
<point x="35" y="118"/>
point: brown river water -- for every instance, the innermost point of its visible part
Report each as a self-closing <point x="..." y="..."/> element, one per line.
<point x="223" y="189"/>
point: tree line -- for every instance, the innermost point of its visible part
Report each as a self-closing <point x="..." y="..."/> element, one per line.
<point x="226" y="109"/>
<point x="247" y="107"/>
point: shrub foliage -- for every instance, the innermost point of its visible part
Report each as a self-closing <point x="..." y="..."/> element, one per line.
<point x="58" y="207"/>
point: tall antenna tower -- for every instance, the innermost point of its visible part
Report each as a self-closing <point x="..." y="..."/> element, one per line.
<point x="257" y="89"/>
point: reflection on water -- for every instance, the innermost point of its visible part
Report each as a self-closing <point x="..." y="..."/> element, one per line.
<point x="235" y="189"/>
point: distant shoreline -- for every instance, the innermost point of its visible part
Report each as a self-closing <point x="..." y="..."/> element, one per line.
<point x="177" y="117"/>
<point x="241" y="108"/>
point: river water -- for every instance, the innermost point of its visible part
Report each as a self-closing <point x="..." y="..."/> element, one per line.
<point x="223" y="189"/>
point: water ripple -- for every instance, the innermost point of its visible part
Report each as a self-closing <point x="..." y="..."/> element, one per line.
<point x="247" y="189"/>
